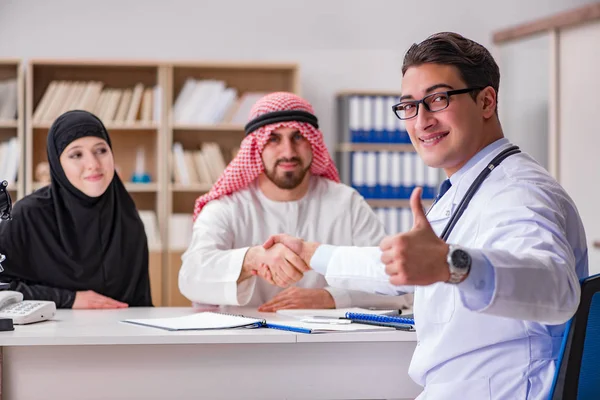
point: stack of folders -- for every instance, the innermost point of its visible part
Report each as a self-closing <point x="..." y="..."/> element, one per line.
<point x="402" y="323"/>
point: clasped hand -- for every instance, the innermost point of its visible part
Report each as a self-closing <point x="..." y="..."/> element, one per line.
<point x="279" y="263"/>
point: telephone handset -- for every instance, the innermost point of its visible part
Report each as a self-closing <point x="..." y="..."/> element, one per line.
<point x="24" y="312"/>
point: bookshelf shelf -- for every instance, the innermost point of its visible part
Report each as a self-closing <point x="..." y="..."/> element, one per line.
<point x="4" y="124"/>
<point x="349" y="147"/>
<point x="196" y="187"/>
<point x="210" y="128"/>
<point x="368" y="92"/>
<point x="141" y="187"/>
<point x="109" y="126"/>
<point x="394" y="203"/>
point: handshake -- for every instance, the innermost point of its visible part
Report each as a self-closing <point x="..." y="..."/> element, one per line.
<point x="416" y="257"/>
<point x="282" y="260"/>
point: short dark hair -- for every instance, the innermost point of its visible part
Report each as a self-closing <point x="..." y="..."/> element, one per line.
<point x="474" y="62"/>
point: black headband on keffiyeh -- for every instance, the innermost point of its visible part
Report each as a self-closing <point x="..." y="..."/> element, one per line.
<point x="281" y="116"/>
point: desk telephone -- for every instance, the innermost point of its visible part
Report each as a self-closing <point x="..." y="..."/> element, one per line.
<point x="24" y="312"/>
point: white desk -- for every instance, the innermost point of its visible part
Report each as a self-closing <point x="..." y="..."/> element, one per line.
<point x="90" y="354"/>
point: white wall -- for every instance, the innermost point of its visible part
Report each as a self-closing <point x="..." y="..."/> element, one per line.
<point x="340" y="44"/>
<point x="525" y="94"/>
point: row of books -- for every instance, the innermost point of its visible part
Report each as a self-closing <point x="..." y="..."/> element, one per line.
<point x="392" y="175"/>
<point x="212" y="102"/>
<point x="370" y="119"/>
<point x="204" y="165"/>
<point x="8" y="100"/>
<point x="395" y="220"/>
<point x="111" y="105"/>
<point x="180" y="230"/>
<point x="150" y="222"/>
<point x="10" y="154"/>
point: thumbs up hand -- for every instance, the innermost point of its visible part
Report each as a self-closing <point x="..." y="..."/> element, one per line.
<point x="416" y="257"/>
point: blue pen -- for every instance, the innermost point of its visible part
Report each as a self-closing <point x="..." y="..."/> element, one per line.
<point x="288" y="328"/>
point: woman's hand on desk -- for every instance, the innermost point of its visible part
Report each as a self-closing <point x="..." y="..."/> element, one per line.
<point x="89" y="299"/>
<point x="295" y="298"/>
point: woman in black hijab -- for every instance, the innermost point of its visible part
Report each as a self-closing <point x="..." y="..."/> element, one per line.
<point x="79" y="241"/>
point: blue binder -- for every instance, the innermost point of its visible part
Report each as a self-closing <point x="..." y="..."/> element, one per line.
<point x="381" y="319"/>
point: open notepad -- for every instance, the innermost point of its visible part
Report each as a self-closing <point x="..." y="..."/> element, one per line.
<point x="200" y="321"/>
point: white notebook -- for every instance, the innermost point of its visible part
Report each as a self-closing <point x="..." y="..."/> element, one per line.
<point x="199" y="321"/>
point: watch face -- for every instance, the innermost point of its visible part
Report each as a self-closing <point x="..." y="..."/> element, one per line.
<point x="460" y="259"/>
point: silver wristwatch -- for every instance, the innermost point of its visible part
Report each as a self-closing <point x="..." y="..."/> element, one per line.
<point x="459" y="264"/>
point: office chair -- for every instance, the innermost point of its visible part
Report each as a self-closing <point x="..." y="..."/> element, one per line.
<point x="578" y="373"/>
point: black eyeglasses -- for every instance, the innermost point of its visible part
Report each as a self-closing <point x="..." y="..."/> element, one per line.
<point x="433" y="102"/>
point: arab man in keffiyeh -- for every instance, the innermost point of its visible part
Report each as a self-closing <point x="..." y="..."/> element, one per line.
<point x="282" y="180"/>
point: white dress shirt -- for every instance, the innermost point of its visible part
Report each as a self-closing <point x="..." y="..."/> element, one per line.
<point x="329" y="213"/>
<point x="497" y="334"/>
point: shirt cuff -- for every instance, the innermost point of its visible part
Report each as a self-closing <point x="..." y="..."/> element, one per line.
<point x="234" y="293"/>
<point x="341" y="297"/>
<point x="477" y="290"/>
<point x="320" y="259"/>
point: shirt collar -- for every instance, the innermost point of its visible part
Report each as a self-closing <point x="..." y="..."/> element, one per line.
<point x="461" y="180"/>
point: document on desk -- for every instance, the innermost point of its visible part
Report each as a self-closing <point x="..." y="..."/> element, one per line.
<point x="331" y="313"/>
<point x="323" y="327"/>
<point x="200" y="321"/>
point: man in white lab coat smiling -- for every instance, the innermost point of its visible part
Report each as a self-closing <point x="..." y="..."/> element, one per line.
<point x="494" y="288"/>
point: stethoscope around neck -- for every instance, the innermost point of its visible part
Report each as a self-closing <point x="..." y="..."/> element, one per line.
<point x="462" y="206"/>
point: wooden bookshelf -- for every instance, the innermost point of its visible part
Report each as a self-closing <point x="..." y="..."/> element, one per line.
<point x="11" y="128"/>
<point x="126" y="136"/>
<point x="244" y="78"/>
<point x="4" y="124"/>
<point x="156" y="136"/>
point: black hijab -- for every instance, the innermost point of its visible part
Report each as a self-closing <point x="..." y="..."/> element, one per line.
<point x="62" y="238"/>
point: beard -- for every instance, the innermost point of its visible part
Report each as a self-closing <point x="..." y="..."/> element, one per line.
<point x="289" y="179"/>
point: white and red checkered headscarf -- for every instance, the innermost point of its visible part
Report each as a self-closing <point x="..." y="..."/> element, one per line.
<point x="247" y="165"/>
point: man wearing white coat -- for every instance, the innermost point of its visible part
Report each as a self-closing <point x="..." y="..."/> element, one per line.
<point x="492" y="299"/>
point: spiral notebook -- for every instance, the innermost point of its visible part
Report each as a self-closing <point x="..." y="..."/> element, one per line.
<point x="380" y="320"/>
<point x="200" y="321"/>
